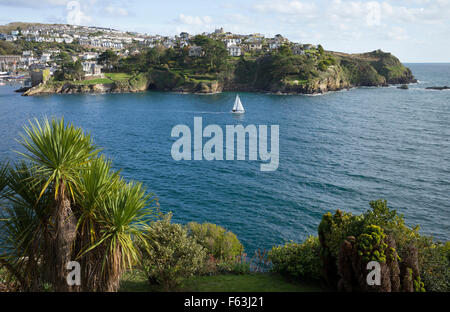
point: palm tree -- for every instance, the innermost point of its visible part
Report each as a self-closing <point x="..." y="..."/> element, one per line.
<point x="122" y="220"/>
<point x="58" y="152"/>
<point x="114" y="216"/>
<point x="66" y="203"/>
<point x="25" y="236"/>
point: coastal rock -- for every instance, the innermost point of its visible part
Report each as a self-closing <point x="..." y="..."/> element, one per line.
<point x="72" y="88"/>
<point x="438" y="88"/>
<point x="22" y="89"/>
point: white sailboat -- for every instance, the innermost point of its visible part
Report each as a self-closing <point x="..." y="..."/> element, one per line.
<point x="238" y="108"/>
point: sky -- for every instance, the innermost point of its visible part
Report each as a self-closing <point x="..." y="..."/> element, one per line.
<point x="412" y="30"/>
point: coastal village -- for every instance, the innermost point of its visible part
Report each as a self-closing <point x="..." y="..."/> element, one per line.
<point x="33" y="67"/>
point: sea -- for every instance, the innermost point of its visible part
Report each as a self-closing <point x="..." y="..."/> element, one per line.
<point x="338" y="150"/>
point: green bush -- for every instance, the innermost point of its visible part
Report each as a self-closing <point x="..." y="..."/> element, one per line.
<point x="223" y="245"/>
<point x="334" y="229"/>
<point x="373" y="231"/>
<point x="298" y="260"/>
<point x="434" y="264"/>
<point x="170" y="254"/>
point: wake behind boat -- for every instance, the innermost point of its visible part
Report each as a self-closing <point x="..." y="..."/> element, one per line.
<point x="238" y="108"/>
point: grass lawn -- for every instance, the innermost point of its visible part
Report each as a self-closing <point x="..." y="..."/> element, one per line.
<point x="255" y="282"/>
<point x="93" y="81"/>
<point x="118" y="76"/>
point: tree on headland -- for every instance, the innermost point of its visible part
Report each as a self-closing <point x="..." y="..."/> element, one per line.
<point x="109" y="59"/>
<point x="216" y="54"/>
<point x="320" y="49"/>
<point x="69" y="70"/>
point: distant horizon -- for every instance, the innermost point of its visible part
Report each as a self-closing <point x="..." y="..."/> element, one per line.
<point x="413" y="30"/>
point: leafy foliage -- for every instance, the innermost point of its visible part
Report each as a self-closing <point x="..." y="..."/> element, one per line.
<point x="371" y="245"/>
<point x="109" y="59"/>
<point x="169" y="254"/>
<point x="58" y="150"/>
<point x="434" y="263"/>
<point x="217" y="241"/>
<point x="299" y="260"/>
<point x="70" y="71"/>
<point x="426" y="260"/>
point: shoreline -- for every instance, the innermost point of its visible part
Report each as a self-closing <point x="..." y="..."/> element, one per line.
<point x="112" y="89"/>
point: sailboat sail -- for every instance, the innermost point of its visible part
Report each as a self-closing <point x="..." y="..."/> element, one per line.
<point x="238" y="108"/>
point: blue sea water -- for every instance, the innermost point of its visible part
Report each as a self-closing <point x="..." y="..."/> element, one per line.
<point x="337" y="151"/>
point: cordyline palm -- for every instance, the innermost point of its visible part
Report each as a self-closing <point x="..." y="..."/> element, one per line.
<point x="25" y="235"/>
<point x="58" y="152"/>
<point x="68" y="204"/>
<point x="113" y="216"/>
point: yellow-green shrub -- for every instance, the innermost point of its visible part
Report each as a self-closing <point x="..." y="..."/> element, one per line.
<point x="299" y="260"/>
<point x="223" y="245"/>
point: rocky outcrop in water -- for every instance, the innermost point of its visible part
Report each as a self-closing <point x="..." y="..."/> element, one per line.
<point x="438" y="88"/>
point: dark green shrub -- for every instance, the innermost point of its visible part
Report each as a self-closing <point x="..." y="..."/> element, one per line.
<point x="414" y="262"/>
<point x="223" y="245"/>
<point x="298" y="260"/>
<point x="333" y="229"/>
<point x="170" y="254"/>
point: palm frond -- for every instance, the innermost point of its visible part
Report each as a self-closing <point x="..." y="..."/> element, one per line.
<point x="58" y="150"/>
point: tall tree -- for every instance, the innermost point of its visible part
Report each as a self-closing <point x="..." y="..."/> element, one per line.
<point x="58" y="152"/>
<point x="109" y="59"/>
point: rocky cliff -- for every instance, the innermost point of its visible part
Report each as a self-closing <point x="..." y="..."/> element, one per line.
<point x="300" y="76"/>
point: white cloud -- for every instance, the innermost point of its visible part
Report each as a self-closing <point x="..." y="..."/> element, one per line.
<point x="287" y="7"/>
<point x="376" y="13"/>
<point x="33" y="3"/>
<point x="116" y="11"/>
<point x="193" y="24"/>
<point x="194" y="20"/>
<point x="397" y="33"/>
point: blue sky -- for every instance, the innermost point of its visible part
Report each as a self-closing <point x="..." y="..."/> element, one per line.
<point x="413" y="30"/>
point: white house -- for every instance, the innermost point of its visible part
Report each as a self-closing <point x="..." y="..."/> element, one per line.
<point x="274" y="45"/>
<point x="27" y="53"/>
<point x="232" y="42"/>
<point x="91" y="68"/>
<point x="11" y="38"/>
<point x="298" y="49"/>
<point x="234" y="50"/>
<point x="255" y="46"/>
<point x="67" y="38"/>
<point x="45" y="57"/>
<point x="89" y="56"/>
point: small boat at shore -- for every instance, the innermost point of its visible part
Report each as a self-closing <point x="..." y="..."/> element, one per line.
<point x="238" y="108"/>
